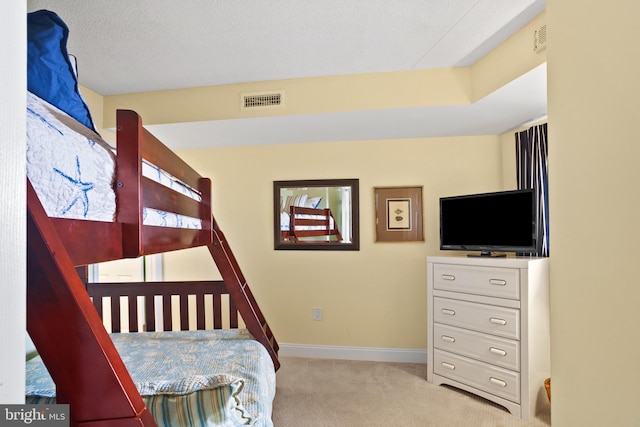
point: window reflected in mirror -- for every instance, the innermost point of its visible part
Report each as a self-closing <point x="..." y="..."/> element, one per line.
<point x="316" y="214"/>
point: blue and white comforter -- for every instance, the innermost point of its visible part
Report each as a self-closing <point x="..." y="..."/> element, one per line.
<point x="72" y="170"/>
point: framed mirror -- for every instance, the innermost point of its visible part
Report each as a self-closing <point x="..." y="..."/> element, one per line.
<point x="316" y="214"/>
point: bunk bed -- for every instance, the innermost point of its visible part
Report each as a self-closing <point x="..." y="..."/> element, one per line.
<point x="300" y="223"/>
<point x="153" y="203"/>
<point x="220" y="374"/>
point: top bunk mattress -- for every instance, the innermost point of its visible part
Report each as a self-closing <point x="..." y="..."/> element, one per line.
<point x="73" y="170"/>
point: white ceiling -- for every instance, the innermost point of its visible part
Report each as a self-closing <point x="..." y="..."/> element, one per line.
<point x="126" y="46"/>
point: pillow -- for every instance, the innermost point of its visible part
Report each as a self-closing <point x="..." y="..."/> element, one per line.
<point x="313" y="202"/>
<point x="218" y="406"/>
<point x="298" y="200"/>
<point x="50" y="73"/>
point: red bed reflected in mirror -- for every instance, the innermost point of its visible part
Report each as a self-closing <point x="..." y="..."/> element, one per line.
<point x="316" y="214"/>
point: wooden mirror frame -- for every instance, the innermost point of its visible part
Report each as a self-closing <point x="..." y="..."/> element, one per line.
<point x="334" y="240"/>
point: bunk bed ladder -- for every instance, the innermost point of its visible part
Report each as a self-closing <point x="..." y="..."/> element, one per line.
<point x="241" y="294"/>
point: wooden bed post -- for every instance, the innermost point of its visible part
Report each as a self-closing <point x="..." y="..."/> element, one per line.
<point x="60" y="315"/>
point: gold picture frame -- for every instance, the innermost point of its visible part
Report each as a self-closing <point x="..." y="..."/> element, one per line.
<point x="398" y="214"/>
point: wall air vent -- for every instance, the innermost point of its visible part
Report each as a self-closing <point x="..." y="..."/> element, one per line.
<point x="262" y="100"/>
<point x="540" y="38"/>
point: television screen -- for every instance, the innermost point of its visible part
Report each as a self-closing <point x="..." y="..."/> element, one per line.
<point x="502" y="221"/>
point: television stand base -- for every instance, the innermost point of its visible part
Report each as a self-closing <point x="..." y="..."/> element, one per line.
<point x="487" y="254"/>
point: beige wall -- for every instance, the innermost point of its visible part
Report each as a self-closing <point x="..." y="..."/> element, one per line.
<point x="513" y="58"/>
<point x="375" y="297"/>
<point x="301" y="96"/>
<point x="95" y="102"/>
<point x="593" y="88"/>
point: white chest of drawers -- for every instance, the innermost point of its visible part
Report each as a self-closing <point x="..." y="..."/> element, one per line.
<point x="488" y="327"/>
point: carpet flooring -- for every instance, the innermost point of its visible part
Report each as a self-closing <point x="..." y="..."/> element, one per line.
<point x="336" y="393"/>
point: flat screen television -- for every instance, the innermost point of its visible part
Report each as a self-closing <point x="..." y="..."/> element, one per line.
<point x="504" y="221"/>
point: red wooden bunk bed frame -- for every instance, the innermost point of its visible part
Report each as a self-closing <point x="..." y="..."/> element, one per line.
<point x="62" y="320"/>
<point x="321" y="219"/>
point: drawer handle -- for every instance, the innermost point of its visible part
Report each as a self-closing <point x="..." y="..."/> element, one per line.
<point x="448" y="277"/>
<point x="498" y="282"/>
<point x="448" y="312"/>
<point x="498" y="382"/>
<point x="498" y="351"/>
<point x="449" y="365"/>
<point x="498" y="321"/>
<point x="448" y="338"/>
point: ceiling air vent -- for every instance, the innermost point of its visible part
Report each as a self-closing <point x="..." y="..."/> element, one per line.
<point x="262" y="100"/>
<point x="540" y="38"/>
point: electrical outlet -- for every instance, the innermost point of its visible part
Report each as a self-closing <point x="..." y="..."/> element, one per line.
<point x="317" y="313"/>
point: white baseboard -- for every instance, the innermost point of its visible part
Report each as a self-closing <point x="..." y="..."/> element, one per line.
<point x="376" y="354"/>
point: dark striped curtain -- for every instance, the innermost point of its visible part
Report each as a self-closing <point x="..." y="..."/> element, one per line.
<point x="532" y="173"/>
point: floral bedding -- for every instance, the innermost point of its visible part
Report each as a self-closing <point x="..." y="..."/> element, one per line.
<point x="188" y="378"/>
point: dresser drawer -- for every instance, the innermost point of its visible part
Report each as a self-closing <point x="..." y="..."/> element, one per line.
<point x="490" y="319"/>
<point x="486" y="348"/>
<point x="491" y="379"/>
<point x="490" y="281"/>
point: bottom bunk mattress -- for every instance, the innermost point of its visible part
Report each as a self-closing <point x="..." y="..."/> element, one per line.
<point x="188" y="378"/>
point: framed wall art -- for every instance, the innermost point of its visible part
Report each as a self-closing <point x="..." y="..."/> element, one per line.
<point x="398" y="214"/>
